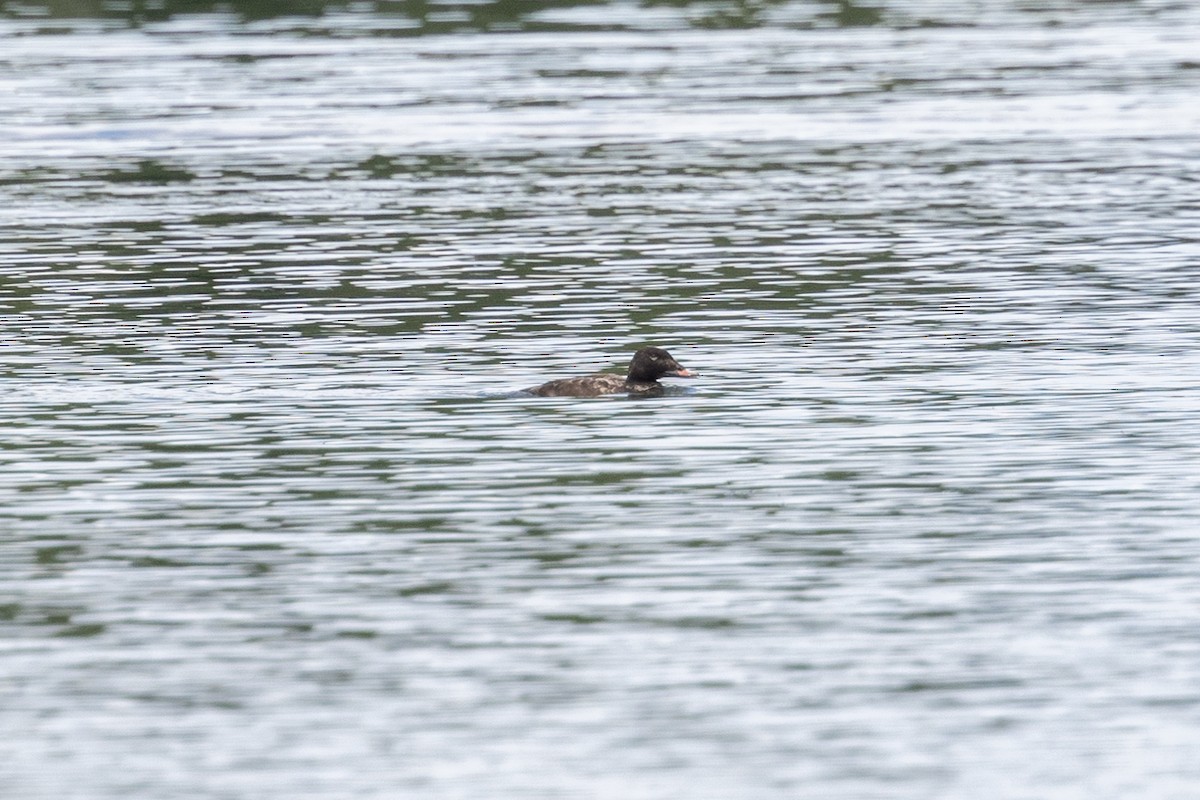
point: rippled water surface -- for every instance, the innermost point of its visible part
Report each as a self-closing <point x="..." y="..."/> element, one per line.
<point x="277" y="522"/>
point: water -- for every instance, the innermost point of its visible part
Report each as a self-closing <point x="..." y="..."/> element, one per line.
<point x="276" y="522"/>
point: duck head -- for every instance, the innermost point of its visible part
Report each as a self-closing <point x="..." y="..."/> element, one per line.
<point x="651" y="363"/>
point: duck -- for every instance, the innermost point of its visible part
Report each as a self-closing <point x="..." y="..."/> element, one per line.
<point x="647" y="366"/>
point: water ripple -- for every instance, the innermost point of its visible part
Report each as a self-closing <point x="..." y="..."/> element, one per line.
<point x="277" y="514"/>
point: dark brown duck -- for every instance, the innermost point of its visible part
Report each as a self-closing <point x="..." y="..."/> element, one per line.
<point x="648" y="365"/>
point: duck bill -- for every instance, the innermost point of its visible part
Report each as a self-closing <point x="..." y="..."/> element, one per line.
<point x="683" y="373"/>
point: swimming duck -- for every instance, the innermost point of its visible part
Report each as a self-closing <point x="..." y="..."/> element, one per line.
<point x="648" y="365"/>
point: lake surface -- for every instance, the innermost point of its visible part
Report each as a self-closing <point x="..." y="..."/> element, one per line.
<point x="276" y="521"/>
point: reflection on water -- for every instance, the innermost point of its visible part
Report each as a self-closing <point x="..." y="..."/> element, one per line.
<point x="278" y="523"/>
<point x="421" y="17"/>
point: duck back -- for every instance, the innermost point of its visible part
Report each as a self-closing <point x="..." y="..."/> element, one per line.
<point x="589" y="386"/>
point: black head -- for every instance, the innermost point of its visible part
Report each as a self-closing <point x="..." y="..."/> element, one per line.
<point x="651" y="363"/>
